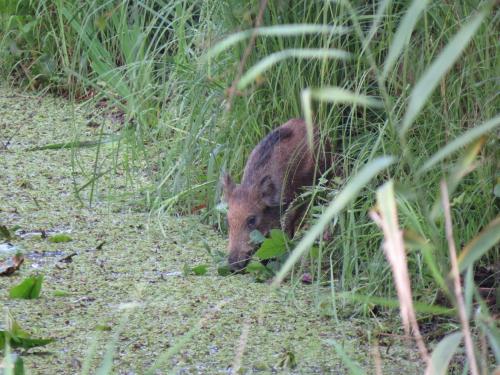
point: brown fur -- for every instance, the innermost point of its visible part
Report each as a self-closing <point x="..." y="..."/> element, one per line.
<point x="277" y="168"/>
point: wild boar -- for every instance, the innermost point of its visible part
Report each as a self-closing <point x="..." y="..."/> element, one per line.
<point x="277" y="168"/>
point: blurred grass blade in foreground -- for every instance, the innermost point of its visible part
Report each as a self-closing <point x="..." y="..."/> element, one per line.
<point x="403" y="33"/>
<point x="469" y="136"/>
<point x="479" y="245"/>
<point x="386" y="218"/>
<point x="442" y="354"/>
<point x="272" y="59"/>
<point x="279" y="30"/>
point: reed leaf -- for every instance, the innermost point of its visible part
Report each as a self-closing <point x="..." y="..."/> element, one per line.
<point x="267" y="62"/>
<point x="435" y="72"/>
<point x="403" y="33"/>
<point x="442" y="354"/>
<point x="280" y="30"/>
<point x="479" y="245"/>
<point x="463" y="140"/>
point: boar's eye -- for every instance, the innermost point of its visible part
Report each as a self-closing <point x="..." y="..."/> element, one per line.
<point x="251" y="222"/>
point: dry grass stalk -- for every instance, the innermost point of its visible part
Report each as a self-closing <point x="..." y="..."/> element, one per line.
<point x="469" y="347"/>
<point x="393" y="245"/>
<point x="241" y="347"/>
<point x="377" y="360"/>
<point x="246" y="54"/>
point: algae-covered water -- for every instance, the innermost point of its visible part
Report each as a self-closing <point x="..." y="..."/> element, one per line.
<point x="117" y="289"/>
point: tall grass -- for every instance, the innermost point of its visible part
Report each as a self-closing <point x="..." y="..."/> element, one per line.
<point x="416" y="81"/>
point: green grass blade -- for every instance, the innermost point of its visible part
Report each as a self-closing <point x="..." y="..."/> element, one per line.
<point x="339" y="95"/>
<point x="381" y="12"/>
<point x="352" y="366"/>
<point x="111" y="348"/>
<point x="443" y="352"/>
<point x="403" y="34"/>
<point x="352" y="189"/>
<point x="464" y="165"/>
<point x="272" y="59"/>
<point x="75" y="144"/>
<point x="420" y="307"/>
<point x="432" y="76"/>
<point x="480" y="244"/>
<point x="463" y="140"/>
<point x="281" y="30"/>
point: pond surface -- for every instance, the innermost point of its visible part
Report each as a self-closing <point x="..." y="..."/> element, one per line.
<point x="118" y="285"/>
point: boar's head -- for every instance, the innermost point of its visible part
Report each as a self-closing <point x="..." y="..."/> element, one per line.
<point x="251" y="206"/>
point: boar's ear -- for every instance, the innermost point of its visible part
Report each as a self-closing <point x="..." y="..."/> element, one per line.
<point x="227" y="185"/>
<point x="268" y="192"/>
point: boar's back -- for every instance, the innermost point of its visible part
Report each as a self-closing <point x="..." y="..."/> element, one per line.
<point x="266" y="147"/>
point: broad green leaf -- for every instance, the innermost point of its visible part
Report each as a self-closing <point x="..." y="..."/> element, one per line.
<point x="260" y="271"/>
<point x="339" y="95"/>
<point x="352" y="366"/>
<point x="273" y="246"/>
<point x="435" y="72"/>
<point x="479" y="245"/>
<point x="403" y="33"/>
<point x="102" y="328"/>
<point x="351" y="190"/>
<point x="223" y="270"/>
<point x="256" y="237"/>
<point x="29" y="288"/>
<point x="61" y="293"/>
<point x="200" y="270"/>
<point x="280" y="30"/>
<point x="14" y="329"/>
<point x="302" y="53"/>
<point x="12" y="363"/>
<point x="314" y="252"/>
<point x="28" y="342"/>
<point x="18" y="337"/>
<point x="59" y="238"/>
<point x="463" y="140"/>
<point x="443" y="352"/>
<point x="19" y="365"/>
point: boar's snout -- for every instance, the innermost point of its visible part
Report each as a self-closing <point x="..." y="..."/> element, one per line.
<point x="237" y="263"/>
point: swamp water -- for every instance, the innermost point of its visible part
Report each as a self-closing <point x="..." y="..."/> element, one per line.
<point x="116" y="284"/>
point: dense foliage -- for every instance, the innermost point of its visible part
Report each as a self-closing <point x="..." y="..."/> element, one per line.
<point x="418" y="76"/>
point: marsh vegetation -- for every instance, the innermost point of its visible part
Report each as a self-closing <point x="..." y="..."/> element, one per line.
<point x="117" y="121"/>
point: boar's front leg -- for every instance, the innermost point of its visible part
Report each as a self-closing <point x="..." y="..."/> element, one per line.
<point x="293" y="218"/>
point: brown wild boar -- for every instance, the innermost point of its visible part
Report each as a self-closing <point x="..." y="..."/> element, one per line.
<point x="277" y="168"/>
